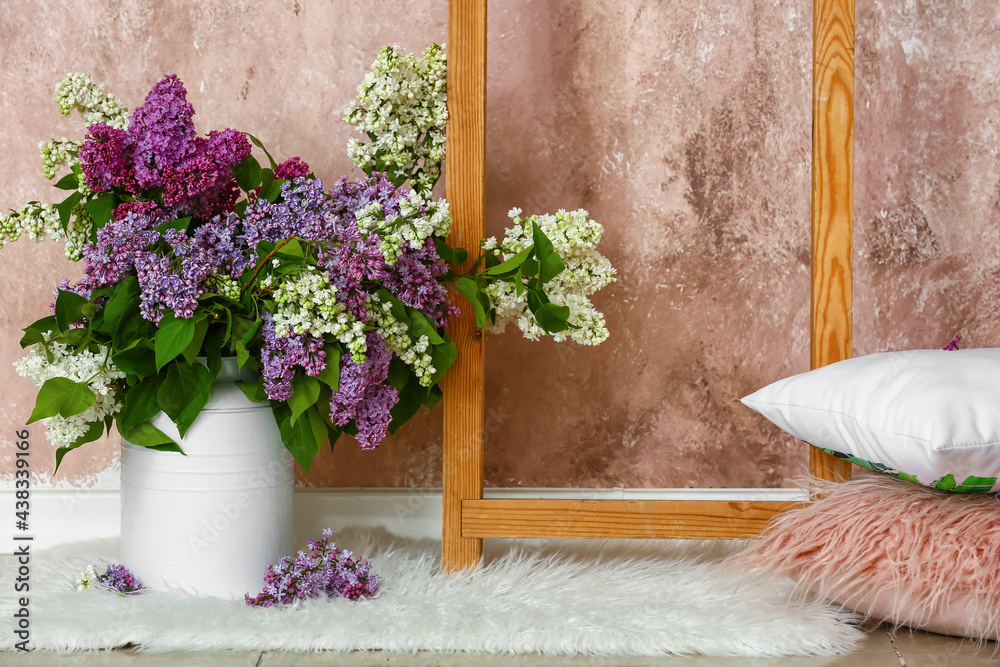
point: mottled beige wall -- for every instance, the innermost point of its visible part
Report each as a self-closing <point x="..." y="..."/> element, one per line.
<point x="683" y="127"/>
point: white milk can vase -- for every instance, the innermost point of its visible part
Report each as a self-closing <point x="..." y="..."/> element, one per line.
<point x="209" y="521"/>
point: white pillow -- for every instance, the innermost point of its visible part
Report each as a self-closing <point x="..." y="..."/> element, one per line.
<point x="928" y="416"/>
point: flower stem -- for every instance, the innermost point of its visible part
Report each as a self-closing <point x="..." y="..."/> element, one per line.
<point x="264" y="261"/>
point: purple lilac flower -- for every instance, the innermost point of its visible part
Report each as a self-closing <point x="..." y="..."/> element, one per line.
<point x="352" y="263"/>
<point x="176" y="280"/>
<point x="325" y="571"/>
<point x="161" y="132"/>
<point x="349" y="197"/>
<point x="117" y="578"/>
<point x="281" y="355"/>
<point x="105" y="159"/>
<point x="953" y="345"/>
<point x="119" y="243"/>
<point x="413" y="279"/>
<point x="203" y="185"/>
<point x="227" y="147"/>
<point x="218" y="239"/>
<point x="291" y="168"/>
<point x="162" y="288"/>
<point x="361" y="395"/>
<point x="304" y="211"/>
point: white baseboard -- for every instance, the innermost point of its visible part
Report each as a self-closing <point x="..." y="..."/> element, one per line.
<point x="59" y="516"/>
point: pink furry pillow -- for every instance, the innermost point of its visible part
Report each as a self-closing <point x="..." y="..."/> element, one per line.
<point x="895" y="552"/>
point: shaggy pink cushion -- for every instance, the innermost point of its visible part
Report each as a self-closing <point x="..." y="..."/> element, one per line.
<point x="895" y="552"/>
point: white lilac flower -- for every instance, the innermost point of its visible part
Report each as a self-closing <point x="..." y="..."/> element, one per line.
<point x="87" y="579"/>
<point x="411" y="351"/>
<point x="77" y="91"/>
<point x="84" y="366"/>
<point x="402" y="107"/>
<point x="58" y="153"/>
<point x="575" y="237"/>
<point x="419" y="219"/>
<point x="306" y="303"/>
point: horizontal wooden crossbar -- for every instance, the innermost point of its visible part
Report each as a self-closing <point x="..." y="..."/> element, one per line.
<point x="636" y="519"/>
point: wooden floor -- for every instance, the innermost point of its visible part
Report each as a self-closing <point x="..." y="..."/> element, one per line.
<point x="882" y="649"/>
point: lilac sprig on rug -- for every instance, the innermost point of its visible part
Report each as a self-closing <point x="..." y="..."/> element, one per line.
<point x="116" y="579"/>
<point x="953" y="345"/>
<point x="324" y="572"/>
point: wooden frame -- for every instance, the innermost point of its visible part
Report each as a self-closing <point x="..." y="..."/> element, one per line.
<point x="468" y="518"/>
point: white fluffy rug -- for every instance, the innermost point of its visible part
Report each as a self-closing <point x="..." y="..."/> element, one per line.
<point x="618" y="598"/>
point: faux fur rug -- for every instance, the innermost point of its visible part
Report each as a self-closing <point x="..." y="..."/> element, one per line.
<point x="591" y="597"/>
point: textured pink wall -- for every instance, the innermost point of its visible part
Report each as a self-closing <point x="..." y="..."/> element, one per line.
<point x="683" y="127"/>
<point x="927" y="200"/>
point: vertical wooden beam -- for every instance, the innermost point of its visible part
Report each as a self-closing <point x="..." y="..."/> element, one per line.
<point x="832" y="197"/>
<point x="465" y="182"/>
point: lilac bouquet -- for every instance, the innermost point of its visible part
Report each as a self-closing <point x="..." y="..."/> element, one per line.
<point x="116" y="579"/>
<point x="194" y="249"/>
<point x="325" y="572"/>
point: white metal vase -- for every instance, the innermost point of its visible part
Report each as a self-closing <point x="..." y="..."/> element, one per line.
<point x="209" y="522"/>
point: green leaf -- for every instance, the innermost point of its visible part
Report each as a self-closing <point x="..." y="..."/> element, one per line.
<point x="172" y="337"/>
<point x="399" y="373"/>
<point x="132" y="325"/>
<point x="244" y="329"/>
<point x="68" y="309"/>
<point x="512" y="263"/>
<point x="253" y="390"/>
<point x="100" y="209"/>
<point x="183" y="393"/>
<point x="305" y="393"/>
<point x="66" y="206"/>
<point x="421" y="326"/>
<point x="147" y="435"/>
<point x="75" y="337"/>
<point x="431" y="397"/>
<point x="469" y="288"/>
<point x="140" y="404"/>
<point x="256" y="142"/>
<point x="449" y="254"/>
<point x="291" y="251"/>
<point x="552" y="318"/>
<point x="180" y="224"/>
<point x="408" y="404"/>
<point x="330" y="375"/>
<point x="124" y="301"/>
<point x="61" y="396"/>
<point x="68" y="182"/>
<point x="242" y="355"/>
<point x="247" y="174"/>
<point x="443" y="356"/>
<point x="194" y="347"/>
<point x="551" y="267"/>
<point x="94" y="431"/>
<point x="274" y="191"/>
<point x="137" y="358"/>
<point x="31" y="337"/>
<point x="34" y="333"/>
<point x="318" y="426"/>
<point x="213" y="349"/>
<point x="298" y="437"/>
<point x="549" y="262"/>
<point x="266" y="182"/>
